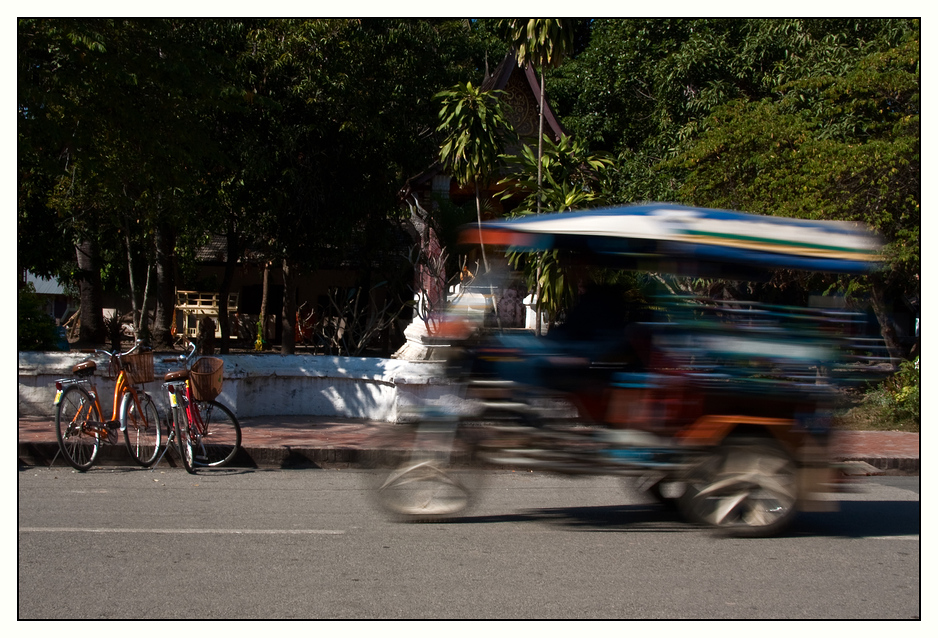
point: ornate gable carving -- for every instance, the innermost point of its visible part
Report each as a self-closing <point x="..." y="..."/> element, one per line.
<point x="522" y="111"/>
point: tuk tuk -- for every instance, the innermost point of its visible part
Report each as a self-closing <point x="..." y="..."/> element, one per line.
<point x="719" y="406"/>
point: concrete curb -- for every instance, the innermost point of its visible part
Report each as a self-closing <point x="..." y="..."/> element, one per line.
<point x="905" y="466"/>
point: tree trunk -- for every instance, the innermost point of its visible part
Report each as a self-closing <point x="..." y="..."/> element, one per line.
<point x="537" y="298"/>
<point x="540" y="144"/>
<point x="288" y="338"/>
<point x="134" y="306"/>
<point x="231" y="261"/>
<point x="262" y="320"/>
<point x="886" y="329"/>
<point x="479" y="218"/>
<point x="142" y="330"/>
<point x="165" y="240"/>
<point x="540" y="161"/>
<point x="482" y="248"/>
<point x="92" y="330"/>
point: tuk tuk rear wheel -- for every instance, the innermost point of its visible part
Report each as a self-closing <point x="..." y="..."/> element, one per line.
<point x="747" y="487"/>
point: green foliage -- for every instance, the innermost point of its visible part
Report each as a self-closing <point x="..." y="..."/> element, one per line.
<point x="43" y="243"/>
<point x="112" y="122"/>
<point x="475" y="128"/>
<point x="301" y="131"/>
<point x="541" y="42"/>
<point x="297" y="134"/>
<point x="476" y="133"/>
<point x="810" y="118"/>
<point x="899" y="396"/>
<point x="340" y="112"/>
<point x="545" y="272"/>
<point x="574" y="177"/>
<point x="644" y="88"/>
<point x="845" y="146"/>
<point x="35" y="329"/>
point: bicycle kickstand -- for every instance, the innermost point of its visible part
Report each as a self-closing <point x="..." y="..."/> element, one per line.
<point x="169" y="439"/>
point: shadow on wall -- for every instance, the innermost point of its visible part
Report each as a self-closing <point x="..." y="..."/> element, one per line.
<point x="316" y="396"/>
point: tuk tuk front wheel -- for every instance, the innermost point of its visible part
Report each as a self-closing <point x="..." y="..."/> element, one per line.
<point x="747" y="487"/>
<point x="425" y="485"/>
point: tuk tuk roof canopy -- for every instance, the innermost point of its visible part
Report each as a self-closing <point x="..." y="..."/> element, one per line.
<point x="671" y="237"/>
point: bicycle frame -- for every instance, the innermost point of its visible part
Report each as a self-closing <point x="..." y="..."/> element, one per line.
<point x="121" y="387"/>
<point x="193" y="416"/>
<point x="181" y="401"/>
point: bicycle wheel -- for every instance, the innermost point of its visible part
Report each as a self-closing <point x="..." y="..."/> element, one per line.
<point x="219" y="439"/>
<point x="140" y="421"/>
<point x="180" y="429"/>
<point x="79" y="445"/>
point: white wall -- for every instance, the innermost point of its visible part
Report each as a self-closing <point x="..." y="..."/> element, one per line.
<point x="269" y="385"/>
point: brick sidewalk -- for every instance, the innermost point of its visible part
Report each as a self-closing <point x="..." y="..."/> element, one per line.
<point x="884" y="450"/>
<point x="337" y="439"/>
<point x="264" y="432"/>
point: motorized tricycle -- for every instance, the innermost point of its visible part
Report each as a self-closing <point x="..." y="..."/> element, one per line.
<point x="719" y="406"/>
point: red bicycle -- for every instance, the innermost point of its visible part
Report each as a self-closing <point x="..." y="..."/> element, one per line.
<point x="207" y="433"/>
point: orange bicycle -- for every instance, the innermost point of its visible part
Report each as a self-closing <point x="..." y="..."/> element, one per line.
<point x="79" y="427"/>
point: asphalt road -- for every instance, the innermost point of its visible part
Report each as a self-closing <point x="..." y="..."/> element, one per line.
<point x="129" y="543"/>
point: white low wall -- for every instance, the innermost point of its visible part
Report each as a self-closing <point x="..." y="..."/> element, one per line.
<point x="269" y="385"/>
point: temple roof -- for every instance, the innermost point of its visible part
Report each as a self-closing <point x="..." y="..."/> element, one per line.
<point x="523" y="91"/>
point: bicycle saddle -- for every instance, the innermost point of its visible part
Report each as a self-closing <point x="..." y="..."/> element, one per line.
<point x="84" y="368"/>
<point x="176" y="375"/>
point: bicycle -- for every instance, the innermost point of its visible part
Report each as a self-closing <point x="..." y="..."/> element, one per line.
<point x="207" y="433"/>
<point x="79" y="427"/>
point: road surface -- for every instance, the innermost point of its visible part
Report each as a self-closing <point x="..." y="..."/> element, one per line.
<point x="311" y="544"/>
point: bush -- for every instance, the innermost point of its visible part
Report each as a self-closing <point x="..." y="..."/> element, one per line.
<point x="899" y="396"/>
<point x="35" y="329"/>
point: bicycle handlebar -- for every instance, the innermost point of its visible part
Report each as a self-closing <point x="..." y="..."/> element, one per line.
<point x="183" y="358"/>
<point x="138" y="344"/>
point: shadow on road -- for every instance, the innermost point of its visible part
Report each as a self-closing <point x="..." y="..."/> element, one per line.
<point x="853" y="520"/>
<point x="604" y="518"/>
<point x="860" y="519"/>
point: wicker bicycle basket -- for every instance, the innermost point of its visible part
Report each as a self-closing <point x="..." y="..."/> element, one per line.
<point x="205" y="378"/>
<point x="138" y="367"/>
